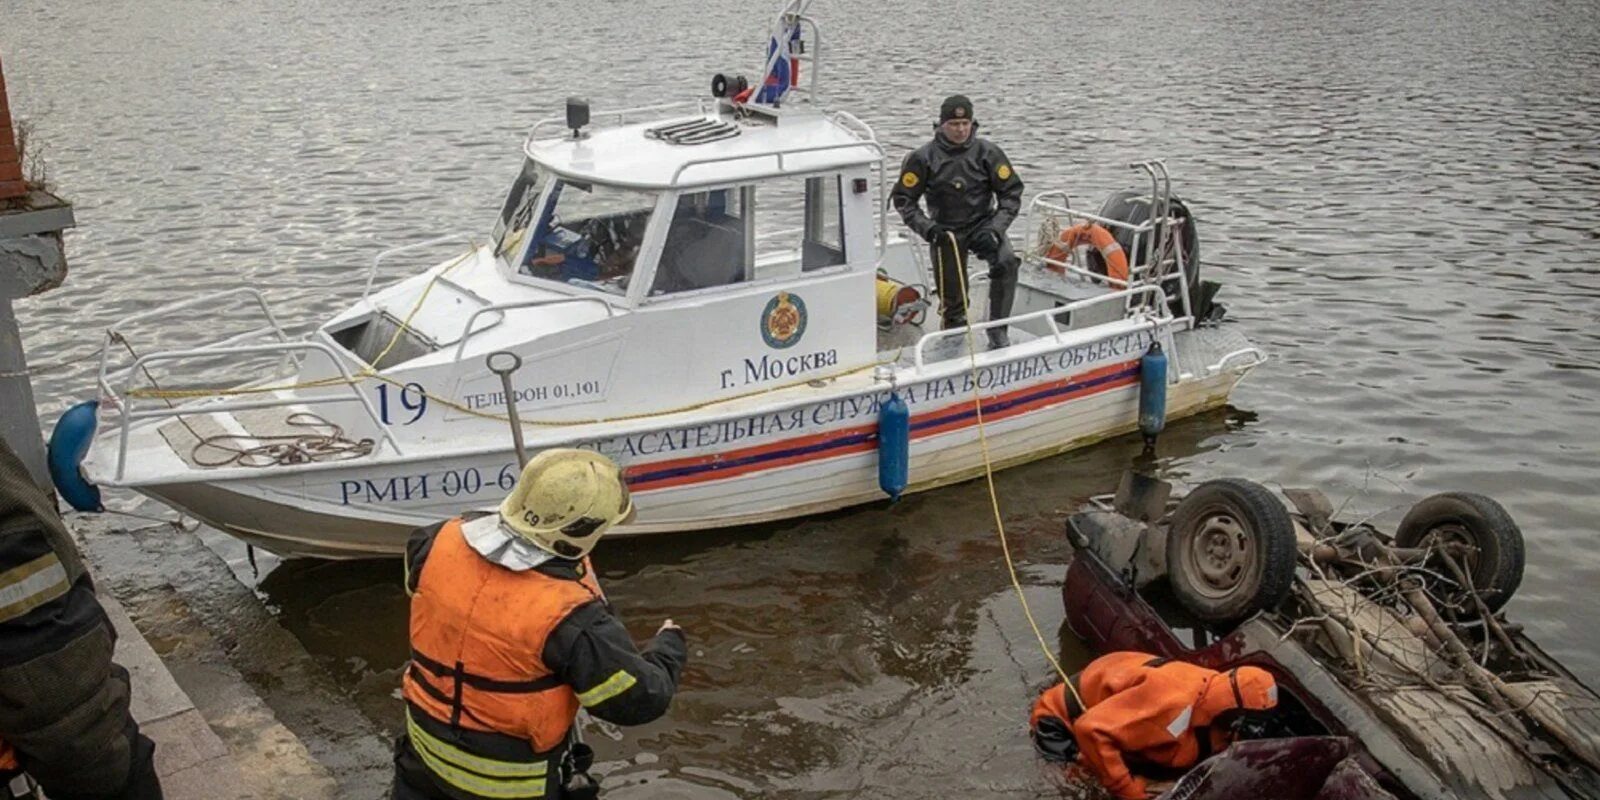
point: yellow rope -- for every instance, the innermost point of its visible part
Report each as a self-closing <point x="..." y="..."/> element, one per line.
<point x="988" y="466"/>
<point x="405" y="324"/>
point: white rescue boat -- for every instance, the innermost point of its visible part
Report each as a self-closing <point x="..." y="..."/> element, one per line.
<point x="690" y="290"/>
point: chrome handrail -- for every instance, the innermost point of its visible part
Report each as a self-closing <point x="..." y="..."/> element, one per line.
<point x="1144" y="233"/>
<point x="128" y="415"/>
<point x="847" y="120"/>
<point x="467" y="331"/>
<point x="1260" y="358"/>
<point x="372" y="274"/>
<point x="1038" y="202"/>
<point x="778" y="154"/>
<point x="114" y="331"/>
<point x="1073" y="269"/>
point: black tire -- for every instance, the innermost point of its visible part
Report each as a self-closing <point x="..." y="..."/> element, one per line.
<point x="1230" y="551"/>
<point x="1481" y="523"/>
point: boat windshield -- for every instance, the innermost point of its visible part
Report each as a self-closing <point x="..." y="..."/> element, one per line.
<point x="517" y="216"/>
<point x="588" y="234"/>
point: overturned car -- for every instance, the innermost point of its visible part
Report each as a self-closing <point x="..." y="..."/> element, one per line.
<point x="1399" y="675"/>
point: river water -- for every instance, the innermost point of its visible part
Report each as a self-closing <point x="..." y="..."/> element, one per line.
<point x="1400" y="198"/>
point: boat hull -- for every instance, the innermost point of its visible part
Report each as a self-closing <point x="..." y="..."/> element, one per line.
<point x="682" y="484"/>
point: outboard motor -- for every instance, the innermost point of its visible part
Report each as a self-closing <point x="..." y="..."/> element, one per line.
<point x="1133" y="207"/>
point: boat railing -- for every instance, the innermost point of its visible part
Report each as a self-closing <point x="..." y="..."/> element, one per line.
<point x="779" y="155"/>
<point x="624" y="116"/>
<point x="212" y="303"/>
<point x="1142" y="273"/>
<point x="1154" y="236"/>
<point x="862" y="130"/>
<point x="1051" y="315"/>
<point x="377" y="260"/>
<point x="1042" y="203"/>
<point x="126" y="399"/>
<point x="1257" y="357"/>
<point x="500" y="308"/>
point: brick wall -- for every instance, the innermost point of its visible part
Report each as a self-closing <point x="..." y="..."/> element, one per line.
<point x="11" y="184"/>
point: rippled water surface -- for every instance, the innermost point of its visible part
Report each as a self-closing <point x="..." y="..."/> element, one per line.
<point x="1400" y="196"/>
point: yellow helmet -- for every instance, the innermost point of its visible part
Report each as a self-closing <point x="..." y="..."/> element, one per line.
<point x="565" y="500"/>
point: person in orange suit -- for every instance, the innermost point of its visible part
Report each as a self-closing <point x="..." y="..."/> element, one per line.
<point x="1155" y="710"/>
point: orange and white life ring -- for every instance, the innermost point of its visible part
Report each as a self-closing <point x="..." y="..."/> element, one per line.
<point x="1096" y="236"/>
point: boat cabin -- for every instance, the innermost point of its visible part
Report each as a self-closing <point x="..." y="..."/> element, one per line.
<point x="636" y="265"/>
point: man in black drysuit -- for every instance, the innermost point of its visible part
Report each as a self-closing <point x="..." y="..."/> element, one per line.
<point x="973" y="194"/>
<point x="63" y="705"/>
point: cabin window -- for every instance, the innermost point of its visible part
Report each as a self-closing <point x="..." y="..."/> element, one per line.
<point x="799" y="221"/>
<point x="706" y="244"/>
<point x="772" y="229"/>
<point x="588" y="234"/>
<point x="823" y="243"/>
<point x="517" y="215"/>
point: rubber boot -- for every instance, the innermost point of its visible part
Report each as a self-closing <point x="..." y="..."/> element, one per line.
<point x="1002" y="294"/>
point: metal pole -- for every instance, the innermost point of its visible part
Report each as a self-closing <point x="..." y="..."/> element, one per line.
<point x="19" y="424"/>
<point x="32" y="260"/>
<point x="503" y="363"/>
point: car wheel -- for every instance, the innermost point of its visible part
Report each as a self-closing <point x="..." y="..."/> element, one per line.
<point x="1494" y="554"/>
<point x="1230" y="551"/>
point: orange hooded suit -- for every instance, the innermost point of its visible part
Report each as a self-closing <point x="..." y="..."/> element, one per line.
<point x="1138" y="703"/>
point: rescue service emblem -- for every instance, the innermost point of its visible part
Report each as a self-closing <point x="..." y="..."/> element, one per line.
<point x="1004" y="172"/>
<point x="960" y="112"/>
<point x="783" y="321"/>
<point x="909" y="180"/>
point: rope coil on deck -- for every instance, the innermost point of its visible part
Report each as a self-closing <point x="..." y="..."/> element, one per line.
<point x="289" y="448"/>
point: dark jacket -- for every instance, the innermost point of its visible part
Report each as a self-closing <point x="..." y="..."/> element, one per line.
<point x="965" y="185"/>
<point x="591" y="646"/>
<point x="63" y="704"/>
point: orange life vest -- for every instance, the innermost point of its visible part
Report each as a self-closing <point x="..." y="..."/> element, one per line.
<point x="478" y="633"/>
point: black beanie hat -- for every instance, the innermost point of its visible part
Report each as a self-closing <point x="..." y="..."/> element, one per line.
<point x="956" y="106"/>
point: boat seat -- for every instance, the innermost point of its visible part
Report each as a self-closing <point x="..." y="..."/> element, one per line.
<point x="699" y="254"/>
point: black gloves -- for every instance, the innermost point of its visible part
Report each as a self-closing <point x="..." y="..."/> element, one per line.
<point x="985" y="243"/>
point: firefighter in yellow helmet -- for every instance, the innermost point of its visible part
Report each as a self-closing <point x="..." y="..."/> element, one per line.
<point x="64" y="720"/>
<point x="511" y="635"/>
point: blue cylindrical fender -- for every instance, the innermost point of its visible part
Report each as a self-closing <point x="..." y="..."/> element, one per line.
<point x="1152" y="392"/>
<point x="894" y="446"/>
<point x="69" y="443"/>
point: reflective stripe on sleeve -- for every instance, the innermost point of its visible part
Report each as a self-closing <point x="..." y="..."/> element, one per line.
<point x="618" y="683"/>
<point x="31" y="585"/>
<point x="1181" y="723"/>
<point x="477" y="775"/>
